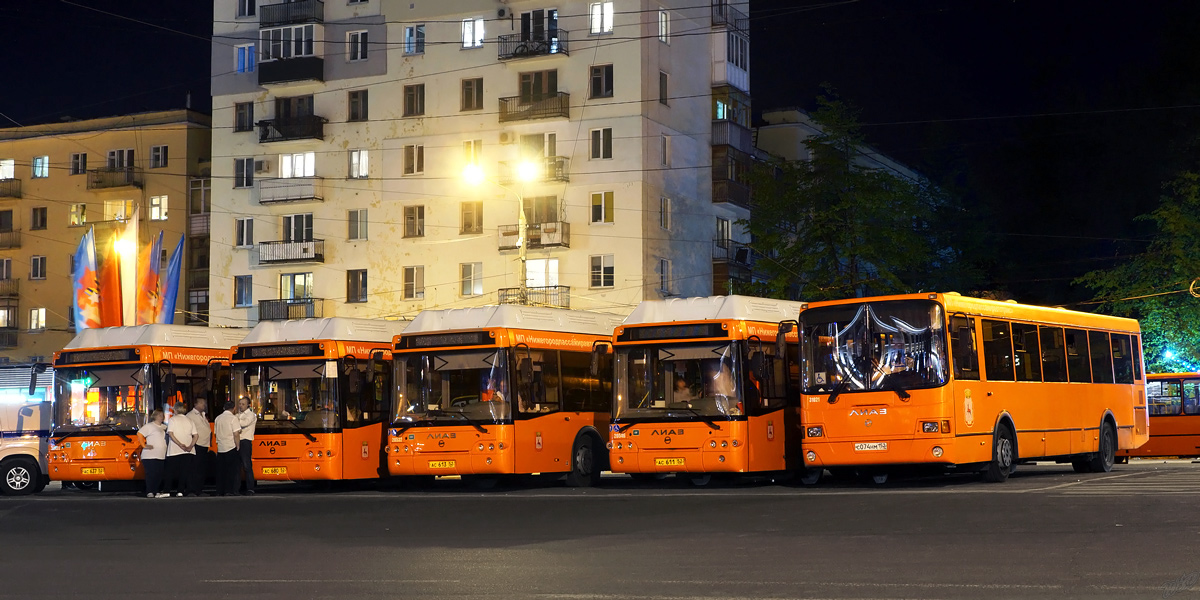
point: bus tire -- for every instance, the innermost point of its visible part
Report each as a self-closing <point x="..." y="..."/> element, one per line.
<point x="1102" y="461"/>
<point x="19" y="476"/>
<point x="585" y="463"/>
<point x="1004" y="450"/>
<point x="646" y="477"/>
<point x="811" y="476"/>
<point x="1081" y="465"/>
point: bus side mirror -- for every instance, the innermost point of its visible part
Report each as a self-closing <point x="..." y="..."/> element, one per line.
<point x="34" y="371"/>
<point x="598" y="353"/>
<point x="781" y="338"/>
<point x="758" y="365"/>
<point x="525" y="370"/>
<point x="170" y="385"/>
<point x="372" y="363"/>
<point x="355" y="381"/>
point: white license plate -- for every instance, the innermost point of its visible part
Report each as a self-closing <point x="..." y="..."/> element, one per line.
<point x="870" y="447"/>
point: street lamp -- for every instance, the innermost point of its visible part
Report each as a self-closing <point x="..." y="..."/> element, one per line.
<point x="525" y="172"/>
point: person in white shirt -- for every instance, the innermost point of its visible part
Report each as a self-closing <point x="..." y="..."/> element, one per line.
<point x="181" y="450"/>
<point x="247" y="419"/>
<point x="227" y="430"/>
<point x="153" y="437"/>
<point x="202" y="465"/>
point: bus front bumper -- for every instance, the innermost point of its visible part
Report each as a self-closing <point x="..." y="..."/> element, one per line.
<point x="931" y="450"/>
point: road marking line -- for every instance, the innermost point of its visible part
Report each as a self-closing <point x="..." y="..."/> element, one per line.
<point x="339" y="581"/>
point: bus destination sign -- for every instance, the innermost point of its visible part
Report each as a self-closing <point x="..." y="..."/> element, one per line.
<point x="97" y="356"/>
<point x="438" y="340"/>
<point x="278" y="351"/>
<point x="672" y="332"/>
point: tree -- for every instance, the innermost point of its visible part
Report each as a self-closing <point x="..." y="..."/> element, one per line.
<point x="830" y="227"/>
<point x="1158" y="287"/>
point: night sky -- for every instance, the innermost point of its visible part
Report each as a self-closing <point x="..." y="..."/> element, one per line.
<point x="1055" y="123"/>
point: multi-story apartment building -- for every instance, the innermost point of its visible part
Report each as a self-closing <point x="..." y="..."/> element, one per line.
<point x="58" y="180"/>
<point x="342" y="130"/>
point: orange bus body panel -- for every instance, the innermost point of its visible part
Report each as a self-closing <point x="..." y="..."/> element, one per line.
<point x="1170" y="435"/>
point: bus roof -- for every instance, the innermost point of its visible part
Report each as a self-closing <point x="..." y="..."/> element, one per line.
<point x="957" y="303"/>
<point x="332" y="328"/>
<point x="185" y="336"/>
<point x="515" y="317"/>
<point x="743" y="308"/>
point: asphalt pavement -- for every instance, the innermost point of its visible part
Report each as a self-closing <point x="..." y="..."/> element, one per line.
<point x="1046" y="533"/>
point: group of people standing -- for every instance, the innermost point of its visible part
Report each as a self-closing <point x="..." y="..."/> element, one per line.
<point x="176" y="455"/>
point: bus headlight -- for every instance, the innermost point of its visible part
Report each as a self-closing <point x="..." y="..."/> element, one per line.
<point x="937" y="451"/>
<point x="930" y="426"/>
<point x="481" y="446"/>
<point x="310" y="454"/>
<point x="712" y="443"/>
<point x="817" y="431"/>
<point x="811" y="456"/>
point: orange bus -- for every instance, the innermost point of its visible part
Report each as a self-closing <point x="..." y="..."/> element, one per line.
<point x="967" y="384"/>
<point x="1174" y="405"/>
<point x="320" y="390"/>
<point x="458" y="372"/>
<point x="703" y="386"/>
<point x="107" y="382"/>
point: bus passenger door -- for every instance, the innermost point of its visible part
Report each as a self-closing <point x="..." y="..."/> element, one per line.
<point x="765" y="397"/>
<point x="544" y="431"/>
<point x="362" y="420"/>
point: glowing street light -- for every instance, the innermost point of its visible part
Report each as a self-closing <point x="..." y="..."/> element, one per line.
<point x="525" y="171"/>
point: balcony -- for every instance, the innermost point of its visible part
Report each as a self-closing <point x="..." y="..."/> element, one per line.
<point x="555" y="234"/>
<point x="552" y="168"/>
<point x="283" y="252"/>
<point x="290" y="189"/>
<point x="10" y="288"/>
<point x="554" y="296"/>
<point x="729" y="133"/>
<point x="197" y="279"/>
<point x="512" y="46"/>
<point x="310" y="127"/>
<point x="115" y="177"/>
<point x="725" y="15"/>
<point x="735" y="254"/>
<point x="10" y="188"/>
<point x="287" y="13"/>
<point x="199" y="224"/>
<point x="733" y="192"/>
<point x="287" y="70"/>
<point x="10" y="239"/>
<point x="8" y="337"/>
<point x="291" y="308"/>
<point x="513" y="109"/>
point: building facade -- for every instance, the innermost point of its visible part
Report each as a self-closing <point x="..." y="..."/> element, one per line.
<point x="59" y="180"/>
<point x="342" y="131"/>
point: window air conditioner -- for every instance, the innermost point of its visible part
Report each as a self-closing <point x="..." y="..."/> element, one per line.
<point x="507" y="137"/>
<point x="262" y="166"/>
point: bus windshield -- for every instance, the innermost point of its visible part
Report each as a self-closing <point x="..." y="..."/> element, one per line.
<point x="892" y="345"/>
<point x="470" y="386"/>
<point x="296" y="395"/>
<point x="678" y="381"/>
<point x="110" y="397"/>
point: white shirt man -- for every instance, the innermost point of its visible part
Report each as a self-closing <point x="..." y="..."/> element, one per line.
<point x="200" y="422"/>
<point x="183" y="435"/>
<point x="227" y="429"/>
<point x="181" y="450"/>
<point x="247" y="419"/>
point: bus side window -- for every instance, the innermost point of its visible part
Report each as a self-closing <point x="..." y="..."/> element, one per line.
<point x="1078" y="362"/>
<point x="1102" y="367"/>
<point x="1026" y="355"/>
<point x="1190" y="392"/>
<point x="997" y="350"/>
<point x="1122" y="358"/>
<point x="1137" y="358"/>
<point x="962" y="342"/>
<point x="1054" y="356"/>
<point x="545" y="388"/>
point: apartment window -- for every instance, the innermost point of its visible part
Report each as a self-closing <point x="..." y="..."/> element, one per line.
<point x="662" y="89"/>
<point x="664" y="213"/>
<point x="246" y="8"/>
<point x="358" y="105"/>
<point x="120" y="159"/>
<point x="356" y="1"/>
<point x="602" y="81"/>
<point x="6" y="270"/>
<point x="356" y="45"/>
<point x="602" y="207"/>
<point x="664" y="149"/>
<point x="78" y="163"/>
<point x="602" y="271"/>
<point x="472" y="94"/>
<point x="158" y="208"/>
<point x="8" y="317"/>
<point x="414" y="221"/>
<point x="243" y="236"/>
<point x="472" y="279"/>
<point x="244" y="57"/>
<point x="664" y="275"/>
<point x="414" y="283"/>
<point x="243" y="116"/>
<point x="118" y="210"/>
<point x="723" y="230"/>
<point x="414" y="100"/>
<point x="414" y="160"/>
<point x="243" y="290"/>
<point x="37" y="218"/>
<point x="37" y="318"/>
<point x="356" y="285"/>
<point x="243" y="172"/>
<point x="296" y="286"/>
<point x="286" y="42"/>
<point x="8" y="168"/>
<point x="357" y="224"/>
<point x="41" y="167"/>
<point x="197" y="306"/>
<point x="602" y="143"/>
<point x="472" y="152"/>
<point x="37" y="267"/>
<point x="158" y="157"/>
<point x="472" y="33"/>
<point x="600" y="17"/>
<point x="78" y="214"/>
<point x="6" y="220"/>
<point x="301" y="164"/>
<point x="472" y="217"/>
<point x="664" y="28"/>
<point x="298" y="227"/>
<point x="538" y="85"/>
<point x="738" y="49"/>
<point x="414" y="39"/>
<point x="358" y="164"/>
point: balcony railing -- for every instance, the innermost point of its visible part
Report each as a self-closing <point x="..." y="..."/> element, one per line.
<point x="310" y="127"/>
<point x="10" y="288"/>
<point x="733" y="192"/>
<point x="551" y="168"/>
<point x="555" y="296"/>
<point x="8" y="337"/>
<point x="734" y="253"/>
<point x="297" y="68"/>
<point x="538" y="235"/>
<point x="513" y="46"/>
<point x="291" y="308"/>
<point x="724" y="14"/>
<point x="285" y="13"/>
<point x="290" y="189"/>
<point x="199" y="224"/>
<point x="197" y="279"/>
<point x="513" y="109"/>
<point x="10" y="188"/>
<point x="280" y="252"/>
<point x="100" y="179"/>
<point x="10" y="239"/>
<point x="729" y="133"/>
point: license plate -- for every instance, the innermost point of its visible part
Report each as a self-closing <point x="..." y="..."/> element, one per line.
<point x="870" y="447"/>
<point x="92" y="471"/>
<point x="274" y="470"/>
<point x="442" y="464"/>
<point x="668" y="462"/>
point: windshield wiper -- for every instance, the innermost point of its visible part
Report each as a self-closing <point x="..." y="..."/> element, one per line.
<point x="477" y="426"/>
<point x="702" y="417"/>
<point x="895" y="386"/>
<point x="308" y="435"/>
<point x="838" y="389"/>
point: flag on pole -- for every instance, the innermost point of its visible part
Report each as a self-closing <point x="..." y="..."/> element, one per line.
<point x="85" y="284"/>
<point x="109" y="280"/>
<point x="148" y="300"/>
<point x="127" y="252"/>
<point x="170" y="285"/>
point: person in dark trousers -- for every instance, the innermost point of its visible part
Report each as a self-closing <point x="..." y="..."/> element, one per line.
<point x="202" y="466"/>
<point x="247" y="419"/>
<point x="181" y="450"/>
<point x="153" y="436"/>
<point x="227" y="431"/>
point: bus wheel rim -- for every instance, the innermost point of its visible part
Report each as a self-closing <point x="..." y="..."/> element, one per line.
<point x="18" y="478"/>
<point x="1005" y="453"/>
<point x="583" y="459"/>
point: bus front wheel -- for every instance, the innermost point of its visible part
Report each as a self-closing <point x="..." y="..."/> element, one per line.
<point x="585" y="469"/>
<point x="1004" y="448"/>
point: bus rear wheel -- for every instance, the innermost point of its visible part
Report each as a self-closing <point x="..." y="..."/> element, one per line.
<point x="585" y="469"/>
<point x="1003" y="452"/>
<point x="1102" y="462"/>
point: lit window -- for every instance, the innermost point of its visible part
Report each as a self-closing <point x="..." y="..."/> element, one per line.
<point x="472" y="33"/>
<point x="41" y="166"/>
<point x="158" y="208"/>
<point x="37" y="319"/>
<point x="8" y="168"/>
<point x="301" y="164"/>
<point x="664" y="26"/>
<point x="358" y="164"/>
<point x="602" y="207"/>
<point x="78" y="214"/>
<point x="244" y="57"/>
<point x="600" y="17"/>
